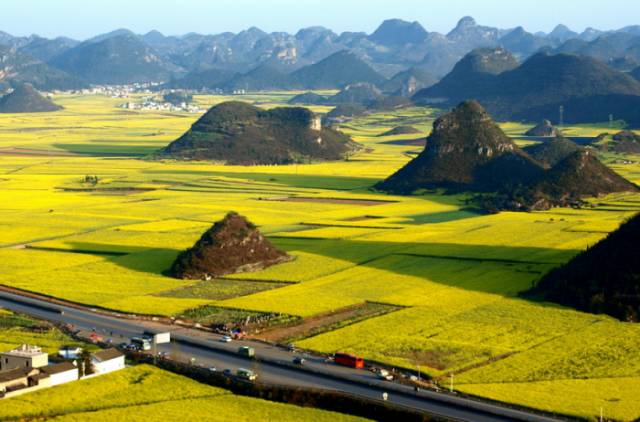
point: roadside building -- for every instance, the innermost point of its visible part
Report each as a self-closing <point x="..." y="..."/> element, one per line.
<point x="61" y="373"/>
<point x="17" y="380"/>
<point x="24" y="356"/>
<point x="106" y="361"/>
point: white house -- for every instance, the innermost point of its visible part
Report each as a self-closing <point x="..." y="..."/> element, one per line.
<point x="106" y="361"/>
<point x="24" y="356"/>
<point x="61" y="373"/>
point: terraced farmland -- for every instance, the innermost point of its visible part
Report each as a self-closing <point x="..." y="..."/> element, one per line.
<point x="450" y="275"/>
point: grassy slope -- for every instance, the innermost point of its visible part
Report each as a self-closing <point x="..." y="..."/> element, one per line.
<point x="458" y="273"/>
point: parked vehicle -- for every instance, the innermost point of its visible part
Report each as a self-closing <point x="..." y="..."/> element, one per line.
<point x="247" y="351"/>
<point x="227" y="373"/>
<point x="141" y="343"/>
<point x="346" y="359"/>
<point x="383" y="374"/>
<point x="291" y="347"/>
<point x="246" y="374"/>
<point x="299" y="361"/>
<point x="225" y="339"/>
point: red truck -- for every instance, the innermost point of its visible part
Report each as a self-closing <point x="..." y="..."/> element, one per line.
<point x="346" y="359"/>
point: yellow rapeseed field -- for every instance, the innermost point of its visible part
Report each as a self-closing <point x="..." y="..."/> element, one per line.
<point x="454" y="274"/>
<point x="136" y="392"/>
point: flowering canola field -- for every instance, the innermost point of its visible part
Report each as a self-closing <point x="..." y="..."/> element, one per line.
<point x="453" y="274"/>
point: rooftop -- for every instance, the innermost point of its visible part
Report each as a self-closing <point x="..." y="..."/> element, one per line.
<point x="59" y="368"/>
<point x="16" y="374"/>
<point x="108" y="354"/>
<point x="25" y="351"/>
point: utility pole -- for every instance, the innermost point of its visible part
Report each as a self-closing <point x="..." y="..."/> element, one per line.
<point x="610" y="120"/>
<point x="155" y="351"/>
<point x="175" y="352"/>
<point x="561" y="124"/>
<point x="601" y="414"/>
<point x="451" y="386"/>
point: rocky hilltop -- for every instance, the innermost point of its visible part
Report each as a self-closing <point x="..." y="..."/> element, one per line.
<point x="467" y="151"/>
<point x="625" y="142"/>
<point x="239" y="133"/>
<point x="360" y="93"/>
<point x="25" y="99"/>
<point x="580" y="175"/>
<point x="401" y="130"/>
<point x="545" y="128"/>
<point x="603" y="279"/>
<point x="472" y="77"/>
<point x="232" y="245"/>
<point x="309" y="98"/>
<point x="551" y="152"/>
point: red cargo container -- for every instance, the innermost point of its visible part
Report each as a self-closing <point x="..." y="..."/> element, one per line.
<point x="345" y="359"/>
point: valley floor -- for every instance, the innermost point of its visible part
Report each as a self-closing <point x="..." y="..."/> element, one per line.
<point x="418" y="282"/>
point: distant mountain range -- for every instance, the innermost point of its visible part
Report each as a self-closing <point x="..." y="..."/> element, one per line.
<point x="257" y="60"/>
<point x="586" y="88"/>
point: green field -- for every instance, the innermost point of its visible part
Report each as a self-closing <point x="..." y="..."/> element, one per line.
<point x="453" y="273"/>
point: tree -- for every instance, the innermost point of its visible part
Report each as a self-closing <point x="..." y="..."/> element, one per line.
<point x="85" y="363"/>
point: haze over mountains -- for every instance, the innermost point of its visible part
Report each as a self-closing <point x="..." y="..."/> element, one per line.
<point x="254" y="59"/>
<point x="588" y="89"/>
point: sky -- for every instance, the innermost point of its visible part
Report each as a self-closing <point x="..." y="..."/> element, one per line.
<point x="81" y="19"/>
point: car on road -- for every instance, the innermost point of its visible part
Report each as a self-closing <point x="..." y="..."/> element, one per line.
<point x="299" y="361"/>
<point x="383" y="374"/>
<point x="142" y="343"/>
<point x="227" y="373"/>
<point x="213" y="369"/>
<point x="247" y="351"/>
<point x="246" y="374"/>
<point x="225" y="339"/>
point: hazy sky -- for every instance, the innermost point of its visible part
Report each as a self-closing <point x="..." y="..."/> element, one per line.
<point x="84" y="18"/>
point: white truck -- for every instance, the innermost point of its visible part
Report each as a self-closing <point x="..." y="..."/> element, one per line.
<point x="158" y="338"/>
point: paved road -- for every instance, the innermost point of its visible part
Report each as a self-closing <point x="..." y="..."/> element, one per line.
<point x="274" y="365"/>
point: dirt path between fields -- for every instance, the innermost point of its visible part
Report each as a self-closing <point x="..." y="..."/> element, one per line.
<point x="326" y="322"/>
<point x="343" y="201"/>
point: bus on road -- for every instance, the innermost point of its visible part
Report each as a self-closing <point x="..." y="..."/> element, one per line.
<point x="346" y="359"/>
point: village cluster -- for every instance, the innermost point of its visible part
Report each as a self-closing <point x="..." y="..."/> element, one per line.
<point x="28" y="368"/>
